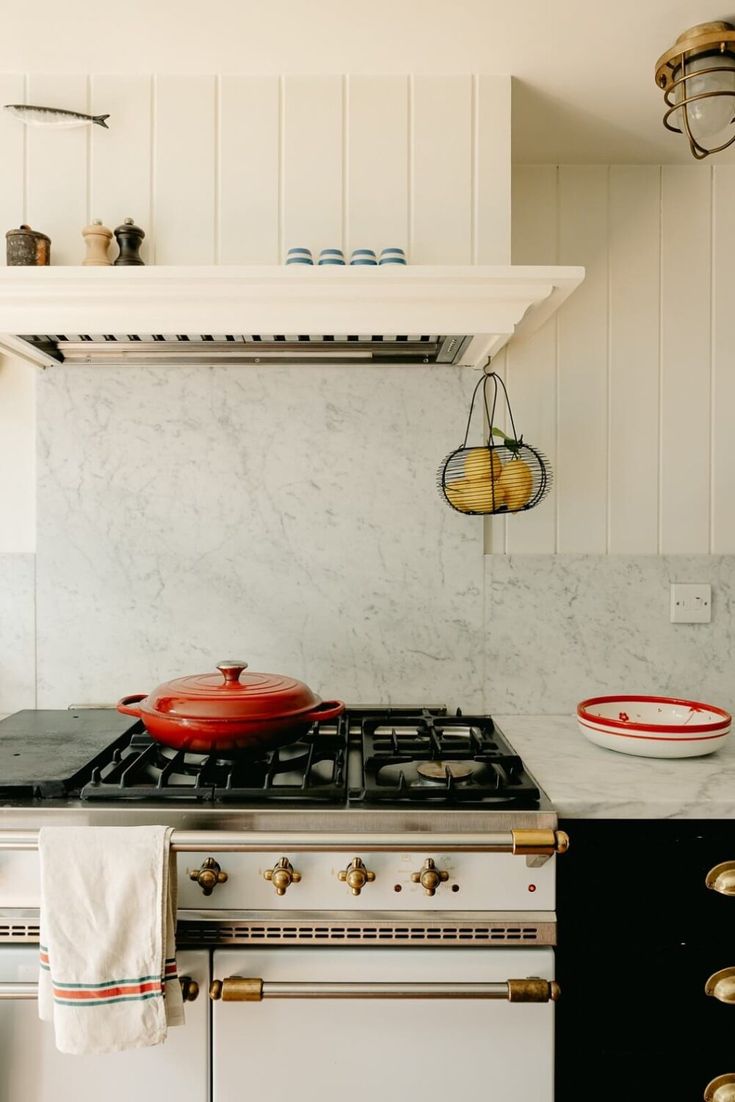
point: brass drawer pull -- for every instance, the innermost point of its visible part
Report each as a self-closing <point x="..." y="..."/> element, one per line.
<point x="721" y="985"/>
<point x="721" y="1089"/>
<point x="244" y="989"/>
<point x="722" y="878"/>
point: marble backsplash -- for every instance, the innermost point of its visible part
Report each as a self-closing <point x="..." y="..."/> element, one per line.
<point x="17" y="632"/>
<point x="560" y="628"/>
<point x="289" y="516"/>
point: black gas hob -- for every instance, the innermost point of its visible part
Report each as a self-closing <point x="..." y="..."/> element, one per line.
<point x="370" y="756"/>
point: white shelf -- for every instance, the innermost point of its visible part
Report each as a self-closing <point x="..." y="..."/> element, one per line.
<point x="491" y="304"/>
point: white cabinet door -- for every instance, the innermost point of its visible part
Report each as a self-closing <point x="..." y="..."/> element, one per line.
<point x="32" y="1070"/>
<point x="324" y="1050"/>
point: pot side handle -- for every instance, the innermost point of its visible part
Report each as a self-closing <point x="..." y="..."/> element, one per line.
<point x="125" y="705"/>
<point x="328" y="709"/>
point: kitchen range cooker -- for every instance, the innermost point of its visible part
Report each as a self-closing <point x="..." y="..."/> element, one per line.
<point x="369" y="908"/>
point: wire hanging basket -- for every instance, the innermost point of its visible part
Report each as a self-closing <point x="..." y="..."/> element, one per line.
<point x="506" y="477"/>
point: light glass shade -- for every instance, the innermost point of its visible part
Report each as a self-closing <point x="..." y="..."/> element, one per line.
<point x="709" y="118"/>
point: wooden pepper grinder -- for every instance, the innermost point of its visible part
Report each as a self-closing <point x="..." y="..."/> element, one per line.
<point x="129" y="237"/>
<point x="97" y="238"/>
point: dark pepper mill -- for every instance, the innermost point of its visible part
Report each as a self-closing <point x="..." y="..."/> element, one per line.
<point x="129" y="238"/>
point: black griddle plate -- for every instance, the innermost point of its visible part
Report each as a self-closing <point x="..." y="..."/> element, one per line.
<point x="50" y="753"/>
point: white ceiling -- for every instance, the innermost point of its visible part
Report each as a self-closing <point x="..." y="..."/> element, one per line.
<point x="584" y="70"/>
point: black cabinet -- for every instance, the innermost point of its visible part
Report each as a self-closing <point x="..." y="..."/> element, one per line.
<point x="639" y="934"/>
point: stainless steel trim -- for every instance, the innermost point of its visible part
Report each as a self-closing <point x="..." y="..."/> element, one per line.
<point x="269" y="819"/>
<point x="18" y="991"/>
<point x="217" y="841"/>
<point x="303" y="990"/>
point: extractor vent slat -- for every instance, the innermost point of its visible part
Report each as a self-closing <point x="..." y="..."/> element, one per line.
<point x="149" y="349"/>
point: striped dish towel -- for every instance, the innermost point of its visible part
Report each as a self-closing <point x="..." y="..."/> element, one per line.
<point x="108" y="978"/>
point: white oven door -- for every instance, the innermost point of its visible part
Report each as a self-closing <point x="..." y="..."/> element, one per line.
<point x="383" y="1050"/>
<point x="32" y="1069"/>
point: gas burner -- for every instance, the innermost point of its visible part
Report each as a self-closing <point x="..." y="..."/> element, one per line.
<point x="437" y="772"/>
<point x="462" y="760"/>
<point x="311" y="770"/>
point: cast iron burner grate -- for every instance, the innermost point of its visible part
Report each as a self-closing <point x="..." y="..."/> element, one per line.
<point x="311" y="770"/>
<point x="473" y="764"/>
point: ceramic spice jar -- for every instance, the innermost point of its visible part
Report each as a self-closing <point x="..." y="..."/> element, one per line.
<point x="97" y="239"/>
<point x="26" y="246"/>
<point x="129" y="238"/>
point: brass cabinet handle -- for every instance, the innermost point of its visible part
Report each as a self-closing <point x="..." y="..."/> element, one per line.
<point x="209" y="875"/>
<point x="721" y="1089"/>
<point x="356" y="876"/>
<point x="429" y="876"/>
<point x="722" y="878"/>
<point x="243" y="989"/>
<point x="721" y="985"/>
<point x="282" y="875"/>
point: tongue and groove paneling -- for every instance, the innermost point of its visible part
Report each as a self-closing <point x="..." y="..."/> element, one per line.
<point x="57" y="167"/>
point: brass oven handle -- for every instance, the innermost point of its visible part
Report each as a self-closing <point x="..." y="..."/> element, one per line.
<point x="189" y="990"/>
<point x="721" y="1089"/>
<point x="722" y="878"/>
<point x="545" y="843"/>
<point x="209" y="875"/>
<point x="533" y="989"/>
<point x="540" y="843"/>
<point x="721" y="985"/>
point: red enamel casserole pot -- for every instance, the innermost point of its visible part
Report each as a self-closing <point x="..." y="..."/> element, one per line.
<point x="226" y="711"/>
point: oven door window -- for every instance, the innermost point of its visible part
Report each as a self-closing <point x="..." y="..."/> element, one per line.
<point x="379" y="1050"/>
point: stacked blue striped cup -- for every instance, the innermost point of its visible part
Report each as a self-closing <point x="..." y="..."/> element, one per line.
<point x="331" y="256"/>
<point x="392" y="256"/>
<point x="363" y="257"/>
<point x="299" y="256"/>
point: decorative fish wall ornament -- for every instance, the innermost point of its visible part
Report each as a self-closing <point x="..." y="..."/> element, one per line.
<point x="53" y="116"/>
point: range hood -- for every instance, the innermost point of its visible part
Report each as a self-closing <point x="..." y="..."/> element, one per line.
<point x="256" y="315"/>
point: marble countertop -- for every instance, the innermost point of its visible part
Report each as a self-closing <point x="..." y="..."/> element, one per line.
<point x="587" y="782"/>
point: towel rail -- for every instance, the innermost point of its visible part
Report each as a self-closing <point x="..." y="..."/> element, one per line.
<point x="189" y="990"/>
<point x="527" y="843"/>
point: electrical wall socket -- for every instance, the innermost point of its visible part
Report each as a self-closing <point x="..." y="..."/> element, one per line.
<point x="691" y="604"/>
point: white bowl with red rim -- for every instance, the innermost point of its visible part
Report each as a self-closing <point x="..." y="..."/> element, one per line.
<point x="653" y="726"/>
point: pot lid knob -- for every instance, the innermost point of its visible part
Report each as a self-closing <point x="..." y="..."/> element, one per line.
<point x="231" y="669"/>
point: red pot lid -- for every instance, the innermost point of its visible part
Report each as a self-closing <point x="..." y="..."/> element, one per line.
<point x="228" y="695"/>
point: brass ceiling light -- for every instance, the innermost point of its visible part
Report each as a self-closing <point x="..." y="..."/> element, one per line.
<point x="697" y="76"/>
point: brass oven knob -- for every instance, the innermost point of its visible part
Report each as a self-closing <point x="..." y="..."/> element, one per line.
<point x="721" y="985"/>
<point x="282" y="875"/>
<point x="356" y="876"/>
<point x="189" y="989"/>
<point x="430" y="877"/>
<point x="721" y="1089"/>
<point x="208" y="876"/>
<point x="722" y="878"/>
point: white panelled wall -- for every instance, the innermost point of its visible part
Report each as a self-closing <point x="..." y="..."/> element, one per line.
<point x="234" y="169"/>
<point x="630" y="389"/>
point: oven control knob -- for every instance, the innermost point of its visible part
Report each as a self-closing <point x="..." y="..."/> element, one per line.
<point x="430" y="877"/>
<point x="356" y="876"/>
<point x="208" y="876"/>
<point x="282" y="875"/>
<point x="721" y="1089"/>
